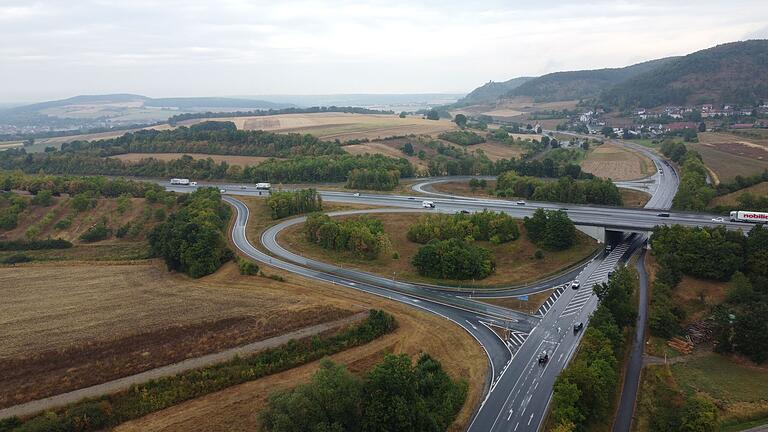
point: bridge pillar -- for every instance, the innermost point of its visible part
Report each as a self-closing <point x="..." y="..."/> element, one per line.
<point x="596" y="232"/>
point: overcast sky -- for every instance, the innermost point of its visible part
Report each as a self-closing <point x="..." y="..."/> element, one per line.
<point x="59" y="48"/>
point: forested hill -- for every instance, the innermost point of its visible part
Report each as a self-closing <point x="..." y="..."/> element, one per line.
<point x="572" y="85"/>
<point x="490" y="91"/>
<point x="735" y="73"/>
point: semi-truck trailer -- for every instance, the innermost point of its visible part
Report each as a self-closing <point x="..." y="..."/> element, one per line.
<point x="263" y="186"/>
<point x="749" y="216"/>
<point x="182" y="182"/>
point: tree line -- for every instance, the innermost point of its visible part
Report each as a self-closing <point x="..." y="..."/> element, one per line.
<point x="72" y="185"/>
<point x="564" y="190"/>
<point x="192" y="240"/>
<point x="496" y="227"/>
<point x="361" y="236"/>
<point x="396" y="395"/>
<point x="550" y="229"/>
<point x="462" y="138"/>
<point x="108" y="411"/>
<point x="373" y="179"/>
<point x="288" y="203"/>
<point x="584" y="393"/>
<point x="715" y="254"/>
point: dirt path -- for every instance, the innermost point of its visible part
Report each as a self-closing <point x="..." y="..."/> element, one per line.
<point x="173" y="369"/>
<point x="653" y="360"/>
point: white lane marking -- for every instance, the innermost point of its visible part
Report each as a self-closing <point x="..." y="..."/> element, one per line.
<point x="529" y="420"/>
<point x="473" y="326"/>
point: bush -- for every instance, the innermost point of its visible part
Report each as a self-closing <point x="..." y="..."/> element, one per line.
<point x="463" y="138"/>
<point x="64" y="223"/>
<point x="486" y="225"/>
<point x="453" y="259"/>
<point x="362" y="236"/>
<point x="553" y="230"/>
<point x="96" y="233"/>
<point x="16" y="259"/>
<point x="123" y="230"/>
<point x="247" y="267"/>
<point x="539" y="254"/>
<point x="14" y="245"/>
<point x="284" y="204"/>
<point x="43" y="198"/>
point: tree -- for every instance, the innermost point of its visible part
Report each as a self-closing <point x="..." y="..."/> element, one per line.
<point x="702" y="127"/>
<point x="403" y="114"/>
<point x="453" y="259"/>
<point x="699" y="415"/>
<point x="433" y="114"/>
<point x="460" y="120"/>
<point x="407" y="149"/>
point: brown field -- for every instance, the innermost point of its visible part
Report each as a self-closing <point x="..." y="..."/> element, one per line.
<point x="230" y="159"/>
<point x="729" y="155"/>
<point x="760" y="189"/>
<point x="531" y="306"/>
<point x="496" y="150"/>
<point x="514" y="260"/>
<point x="342" y="126"/>
<point x="462" y="188"/>
<point x="387" y="148"/>
<point x="70" y="326"/>
<point x="617" y="163"/>
<point x="633" y="198"/>
<point x="10" y="144"/>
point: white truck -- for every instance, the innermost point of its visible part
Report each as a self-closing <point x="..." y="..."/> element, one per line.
<point x="428" y="204"/>
<point x="182" y="182"/>
<point x="263" y="186"/>
<point x="749" y="216"/>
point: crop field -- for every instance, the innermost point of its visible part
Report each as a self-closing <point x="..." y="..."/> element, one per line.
<point x="5" y="145"/>
<point x="515" y="263"/>
<point x="633" y="198"/>
<point x="230" y="159"/>
<point x="496" y="150"/>
<point x="67" y="326"/>
<point x="760" y="189"/>
<point x="342" y="126"/>
<point x="729" y="155"/>
<point x="616" y="163"/>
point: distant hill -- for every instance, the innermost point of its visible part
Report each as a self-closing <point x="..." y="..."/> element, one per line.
<point x="572" y="85"/>
<point x="734" y="73"/>
<point x="491" y="91"/>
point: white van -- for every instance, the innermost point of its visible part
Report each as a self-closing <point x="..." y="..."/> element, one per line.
<point x="428" y="204"/>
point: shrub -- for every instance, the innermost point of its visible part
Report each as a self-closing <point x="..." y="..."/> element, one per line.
<point x="43" y="198"/>
<point x="362" y="236"/>
<point x="96" y="233"/>
<point x="15" y="259"/>
<point x="123" y="230"/>
<point x="464" y="138"/>
<point x="64" y="223"/>
<point x="13" y="245"/>
<point x="539" y="254"/>
<point x="284" y="204"/>
<point x="247" y="267"/>
<point x="453" y="259"/>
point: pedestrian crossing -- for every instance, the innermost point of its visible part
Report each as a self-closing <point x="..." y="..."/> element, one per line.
<point x="598" y="276"/>
<point x="544" y="308"/>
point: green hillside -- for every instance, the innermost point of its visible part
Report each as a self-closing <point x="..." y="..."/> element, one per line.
<point x="734" y="73"/>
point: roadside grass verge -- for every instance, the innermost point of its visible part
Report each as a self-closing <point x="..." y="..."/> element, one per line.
<point x="140" y="400"/>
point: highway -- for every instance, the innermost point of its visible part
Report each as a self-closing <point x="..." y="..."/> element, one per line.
<point x="518" y="388"/>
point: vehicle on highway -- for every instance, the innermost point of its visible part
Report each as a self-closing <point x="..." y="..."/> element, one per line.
<point x="243" y="187"/>
<point x="464" y="212"/>
<point x="428" y="204"/>
<point x="182" y="182"/>
<point x="663" y="215"/>
<point x="263" y="186"/>
<point x="748" y="216"/>
<point x="575" y="284"/>
<point x="661" y="172"/>
<point x="357" y="193"/>
<point x="222" y="190"/>
<point x="521" y="202"/>
<point x="719" y="219"/>
<point x="577" y="327"/>
<point x="543" y="357"/>
<point x="411" y="198"/>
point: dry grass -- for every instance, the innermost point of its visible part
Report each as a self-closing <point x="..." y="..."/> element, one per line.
<point x="633" y="198"/>
<point x="617" y="163"/>
<point x="342" y="126"/>
<point x="531" y="306"/>
<point x="697" y="296"/>
<point x="729" y="155"/>
<point x="230" y="159"/>
<point x="496" y="150"/>
<point x="462" y="188"/>
<point x="515" y="263"/>
<point x="386" y="148"/>
<point x="760" y="189"/>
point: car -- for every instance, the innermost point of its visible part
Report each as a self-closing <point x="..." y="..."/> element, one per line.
<point x="411" y="198"/>
<point x="661" y="172"/>
<point x="357" y="194"/>
<point x="222" y="190"/>
<point x="718" y="220"/>
<point x="663" y="215"/>
<point x="521" y="202"/>
<point x="543" y="357"/>
<point x="575" y="284"/>
<point x="464" y="211"/>
<point x="243" y="187"/>
<point x="577" y="327"/>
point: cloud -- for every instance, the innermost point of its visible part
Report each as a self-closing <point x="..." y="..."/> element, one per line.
<point x="230" y="47"/>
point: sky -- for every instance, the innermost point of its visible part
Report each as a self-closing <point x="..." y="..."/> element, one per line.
<point x="52" y="49"/>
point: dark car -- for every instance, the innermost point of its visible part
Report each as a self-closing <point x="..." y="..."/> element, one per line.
<point x="543" y="357"/>
<point x="464" y="211"/>
<point x="663" y="215"/>
<point x="577" y="327"/>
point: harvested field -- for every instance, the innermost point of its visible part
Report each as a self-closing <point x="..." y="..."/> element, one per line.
<point x="760" y="189"/>
<point x="729" y="155"/>
<point x="515" y="263"/>
<point x="342" y="126"/>
<point x="633" y="198"/>
<point x="230" y="159"/>
<point x="70" y="326"/>
<point x="10" y="144"/>
<point x="389" y="148"/>
<point x="496" y="150"/>
<point x="617" y="163"/>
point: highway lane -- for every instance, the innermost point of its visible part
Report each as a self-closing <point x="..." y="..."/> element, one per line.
<point x="499" y="353"/>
